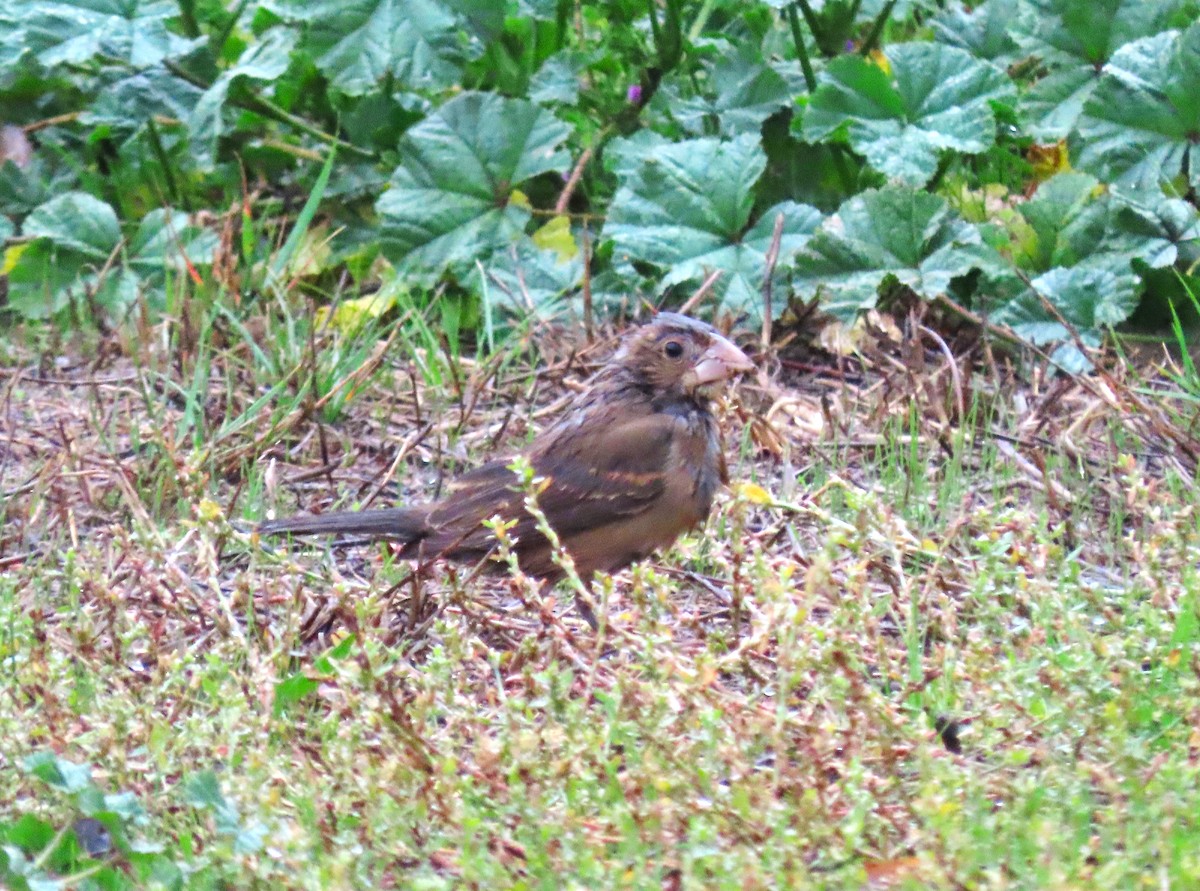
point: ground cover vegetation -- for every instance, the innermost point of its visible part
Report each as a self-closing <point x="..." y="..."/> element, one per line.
<point x="941" y="631"/>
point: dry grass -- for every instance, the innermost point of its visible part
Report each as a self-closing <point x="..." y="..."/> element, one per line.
<point x="947" y="639"/>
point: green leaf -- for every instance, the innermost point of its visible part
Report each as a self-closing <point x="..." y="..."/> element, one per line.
<point x="1141" y="125"/>
<point x="894" y="233"/>
<point x="76" y="221"/>
<point x="741" y="92"/>
<point x="262" y="61"/>
<point x="985" y="31"/>
<point x="6" y="229"/>
<point x="74" y="237"/>
<point x="59" y="772"/>
<point x="686" y="207"/>
<point x="132" y="101"/>
<point x="1057" y="203"/>
<point x="202" y="790"/>
<point x="937" y="98"/>
<point x="1074" y="40"/>
<point x="164" y="239"/>
<point x="357" y="44"/>
<point x="1065" y="32"/>
<point x="76" y="243"/>
<point x="528" y="280"/>
<point x="1090" y="298"/>
<point x="450" y="201"/>
<point x="557" y="81"/>
<point x="132" y="32"/>
<point x="1075" y="220"/>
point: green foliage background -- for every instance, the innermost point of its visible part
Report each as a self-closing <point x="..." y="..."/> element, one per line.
<point x="1037" y="160"/>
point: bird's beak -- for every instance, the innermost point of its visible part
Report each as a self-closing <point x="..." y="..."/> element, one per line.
<point x="721" y="361"/>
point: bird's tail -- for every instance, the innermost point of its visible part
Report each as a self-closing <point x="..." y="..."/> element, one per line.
<point x="400" y="523"/>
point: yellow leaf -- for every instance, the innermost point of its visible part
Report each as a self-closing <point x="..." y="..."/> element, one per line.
<point x="880" y="61"/>
<point x="1048" y="160"/>
<point x="350" y="315"/>
<point x="753" y="493"/>
<point x="209" y="511"/>
<point x="556" y="236"/>
<point x="519" y="199"/>
<point x="12" y="257"/>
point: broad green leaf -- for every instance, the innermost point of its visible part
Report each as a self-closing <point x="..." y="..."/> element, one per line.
<point x="1074" y="40"/>
<point x="262" y="61"/>
<point x="6" y="229"/>
<point x="1075" y="220"/>
<point x="1150" y="227"/>
<point x="895" y="233"/>
<point x="451" y="200"/>
<point x="133" y="32"/>
<point x="1057" y="203"/>
<point x="1140" y="125"/>
<point x="76" y="221"/>
<point x="132" y="101"/>
<point x="1090" y="298"/>
<point x="77" y="250"/>
<point x="686" y="208"/>
<point x="937" y="98"/>
<point x="164" y="239"/>
<point x="59" y="772"/>
<point x="527" y="279"/>
<point x="1070" y="32"/>
<point x="984" y="31"/>
<point x="557" y="81"/>
<point x="357" y="44"/>
<point x="740" y="92"/>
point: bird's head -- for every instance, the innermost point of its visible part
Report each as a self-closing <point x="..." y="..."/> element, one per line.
<point x="679" y="356"/>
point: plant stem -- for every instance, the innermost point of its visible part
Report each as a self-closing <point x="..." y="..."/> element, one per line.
<point x="219" y="40"/>
<point x="159" y="152"/>
<point x="810" y="78"/>
<point x="811" y="18"/>
<point x="187" y="18"/>
<point x="243" y="98"/>
<point x="701" y="20"/>
<point x="877" y="28"/>
<point x="943" y="166"/>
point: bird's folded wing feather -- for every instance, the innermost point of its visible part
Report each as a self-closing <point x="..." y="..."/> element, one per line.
<point x="598" y="476"/>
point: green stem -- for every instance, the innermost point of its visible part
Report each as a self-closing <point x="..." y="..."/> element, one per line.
<point x="222" y="37"/>
<point x="813" y="24"/>
<point x="187" y="18"/>
<point x="159" y="152"/>
<point x="655" y="30"/>
<point x="701" y="20"/>
<point x="843" y="170"/>
<point x="810" y="78"/>
<point x="877" y="28"/>
<point x="938" y="175"/>
<point x="243" y="98"/>
<point x="562" y="18"/>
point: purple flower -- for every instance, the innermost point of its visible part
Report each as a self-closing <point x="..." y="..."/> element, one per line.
<point x="634" y="94"/>
<point x="849" y="46"/>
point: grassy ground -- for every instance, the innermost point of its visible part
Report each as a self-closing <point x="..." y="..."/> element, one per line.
<point x="946" y="640"/>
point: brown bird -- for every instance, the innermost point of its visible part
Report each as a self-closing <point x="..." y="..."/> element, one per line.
<point x="633" y="462"/>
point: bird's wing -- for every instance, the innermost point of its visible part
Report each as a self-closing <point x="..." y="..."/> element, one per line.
<point x="599" y="475"/>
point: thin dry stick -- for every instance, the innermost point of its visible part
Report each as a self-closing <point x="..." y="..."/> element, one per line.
<point x="588" y="321"/>
<point x="564" y="198"/>
<point x="772" y="259"/>
<point x="955" y="374"/>
<point x="704" y="288"/>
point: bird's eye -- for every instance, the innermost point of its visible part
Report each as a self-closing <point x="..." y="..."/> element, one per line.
<point x="673" y="349"/>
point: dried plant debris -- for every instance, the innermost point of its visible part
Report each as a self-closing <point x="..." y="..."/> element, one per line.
<point x="938" y="606"/>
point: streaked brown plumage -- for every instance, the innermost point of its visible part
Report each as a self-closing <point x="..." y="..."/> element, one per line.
<point x="633" y="462"/>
